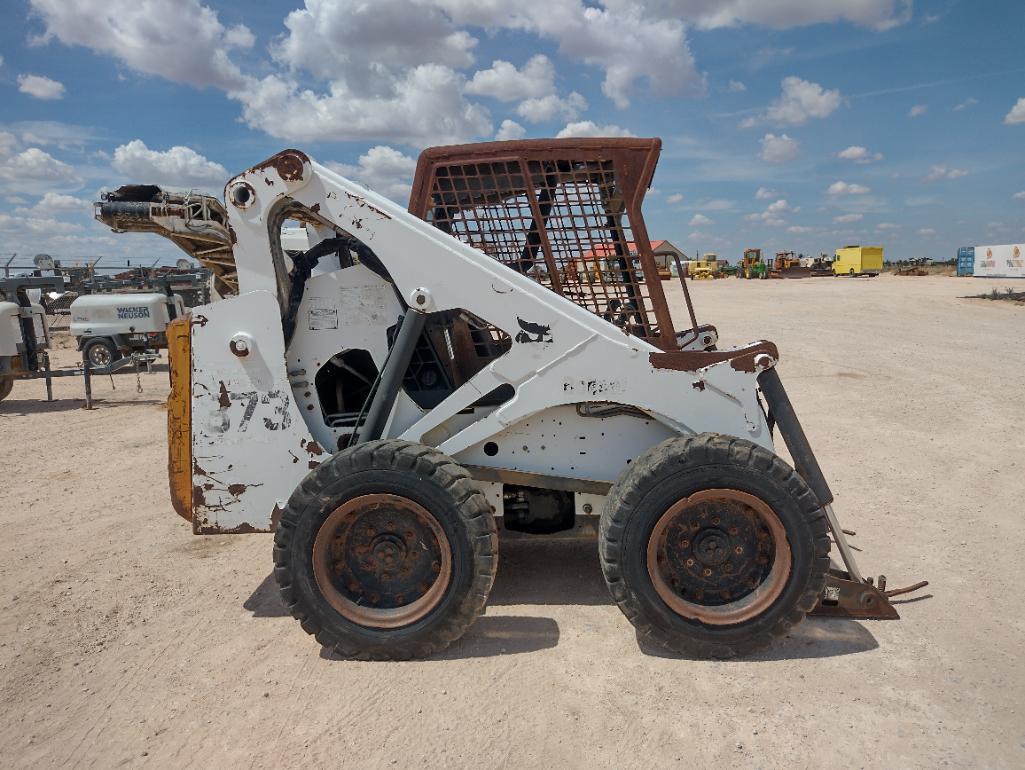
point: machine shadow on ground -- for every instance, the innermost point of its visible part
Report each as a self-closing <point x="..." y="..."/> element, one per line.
<point x="814" y="638"/>
<point x="491" y="635"/>
<point x="567" y="572"/>
<point x="537" y="573"/>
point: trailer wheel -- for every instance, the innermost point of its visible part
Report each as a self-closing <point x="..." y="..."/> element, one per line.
<point x="100" y="353"/>
<point x="386" y="551"/>
<point x="6" y="386"/>
<point x="713" y="546"/>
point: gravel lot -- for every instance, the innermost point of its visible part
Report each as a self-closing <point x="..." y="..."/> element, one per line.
<point x="124" y="639"/>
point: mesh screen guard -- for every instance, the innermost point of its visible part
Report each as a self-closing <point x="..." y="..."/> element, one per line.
<point x="564" y="212"/>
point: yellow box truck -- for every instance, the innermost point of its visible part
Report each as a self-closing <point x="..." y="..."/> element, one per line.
<point x="858" y="260"/>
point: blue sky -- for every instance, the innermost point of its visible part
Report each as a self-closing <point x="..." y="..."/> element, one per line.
<point x="786" y="124"/>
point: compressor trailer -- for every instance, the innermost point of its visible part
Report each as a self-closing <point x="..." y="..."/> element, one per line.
<point x="388" y="399"/>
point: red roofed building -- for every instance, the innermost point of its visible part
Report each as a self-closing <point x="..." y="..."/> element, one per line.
<point x="665" y="255"/>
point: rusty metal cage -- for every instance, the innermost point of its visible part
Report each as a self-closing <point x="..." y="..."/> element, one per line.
<point x="565" y="212"/>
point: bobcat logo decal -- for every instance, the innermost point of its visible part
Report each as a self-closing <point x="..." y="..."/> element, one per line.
<point x="532" y="332"/>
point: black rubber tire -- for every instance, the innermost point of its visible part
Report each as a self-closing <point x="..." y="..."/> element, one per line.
<point x="6" y="386"/>
<point x="100" y="342"/>
<point x="422" y="474"/>
<point x="679" y="467"/>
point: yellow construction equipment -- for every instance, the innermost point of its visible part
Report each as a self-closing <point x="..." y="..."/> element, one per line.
<point x="788" y="265"/>
<point x="705" y="268"/>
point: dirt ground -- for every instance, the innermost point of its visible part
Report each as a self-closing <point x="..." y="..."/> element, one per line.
<point x="126" y="640"/>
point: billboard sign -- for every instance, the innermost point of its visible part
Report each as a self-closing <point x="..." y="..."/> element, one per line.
<point x="1000" y="261"/>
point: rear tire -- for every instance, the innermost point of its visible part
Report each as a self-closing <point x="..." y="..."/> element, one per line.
<point x="386" y="551"/>
<point x="713" y="546"/>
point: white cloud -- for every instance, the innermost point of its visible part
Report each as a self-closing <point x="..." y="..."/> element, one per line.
<point x="971" y="100"/>
<point x="706" y="239"/>
<point x="607" y="36"/>
<point x="675" y="198"/>
<point x="182" y="41"/>
<point x="585" y="128"/>
<point x="859" y="154"/>
<point x="887" y="226"/>
<point x="778" y="149"/>
<point x="844" y="218"/>
<point x="764" y="193"/>
<point x="510" y="129"/>
<point x="508" y="84"/>
<point x="843" y="188"/>
<point x="784" y="14"/>
<point x="384" y="170"/>
<point x="1017" y="113"/>
<point x="917" y="111"/>
<point x="40" y="87"/>
<point x="800" y="229"/>
<point x="8" y="142"/>
<point x="799" y="101"/>
<point x="716" y="204"/>
<point x="403" y="70"/>
<point x="1019" y="196"/>
<point x="56" y="202"/>
<point x="736" y="87"/>
<point x="43" y="133"/>
<point x="927" y="232"/>
<point x="369" y="46"/>
<point x="36" y="225"/>
<point x="549" y="107"/>
<point x="700" y="220"/>
<point x="425" y="106"/>
<point x="35" y="165"/>
<point x="943" y="172"/>
<point x="772" y="214"/>
<point x="176" y="167"/>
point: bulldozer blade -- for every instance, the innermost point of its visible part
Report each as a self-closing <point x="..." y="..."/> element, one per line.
<point x="843" y="597"/>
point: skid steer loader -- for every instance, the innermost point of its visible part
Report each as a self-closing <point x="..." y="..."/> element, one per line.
<point x="389" y="398"/>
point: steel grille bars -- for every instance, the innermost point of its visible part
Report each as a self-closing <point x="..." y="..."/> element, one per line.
<point x="563" y="212"/>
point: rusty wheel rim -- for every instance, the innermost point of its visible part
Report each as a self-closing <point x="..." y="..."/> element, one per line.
<point x="382" y="561"/>
<point x="719" y="556"/>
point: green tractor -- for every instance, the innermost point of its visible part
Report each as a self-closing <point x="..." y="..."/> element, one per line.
<point x="752" y="265"/>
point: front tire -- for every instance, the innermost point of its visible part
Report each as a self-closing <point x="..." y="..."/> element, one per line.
<point x="713" y="546"/>
<point x="387" y="551"/>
